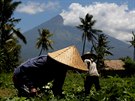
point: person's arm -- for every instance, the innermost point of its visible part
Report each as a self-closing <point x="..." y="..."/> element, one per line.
<point x="88" y="64"/>
<point x="28" y="81"/>
<point x="27" y="75"/>
<point x="30" y="68"/>
<point x="87" y="61"/>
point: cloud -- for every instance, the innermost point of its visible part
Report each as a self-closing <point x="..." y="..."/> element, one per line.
<point x="116" y="20"/>
<point x="36" y="7"/>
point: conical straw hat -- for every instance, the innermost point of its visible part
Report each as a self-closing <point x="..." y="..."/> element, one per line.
<point x="69" y="56"/>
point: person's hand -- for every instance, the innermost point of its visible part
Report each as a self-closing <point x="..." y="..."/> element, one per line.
<point x="33" y="91"/>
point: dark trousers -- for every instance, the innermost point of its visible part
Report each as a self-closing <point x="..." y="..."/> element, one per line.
<point x="90" y="80"/>
<point x="58" y="83"/>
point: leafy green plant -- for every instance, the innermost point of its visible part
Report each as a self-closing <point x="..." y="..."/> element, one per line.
<point x="129" y="63"/>
<point x="113" y="88"/>
<point x="9" y="47"/>
<point x="9" y="61"/>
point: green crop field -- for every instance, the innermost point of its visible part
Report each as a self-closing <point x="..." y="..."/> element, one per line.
<point x="114" y="88"/>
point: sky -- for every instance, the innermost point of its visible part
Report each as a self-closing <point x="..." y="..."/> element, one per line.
<point x="113" y="17"/>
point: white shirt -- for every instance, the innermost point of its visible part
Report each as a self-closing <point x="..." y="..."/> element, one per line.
<point x="92" y="67"/>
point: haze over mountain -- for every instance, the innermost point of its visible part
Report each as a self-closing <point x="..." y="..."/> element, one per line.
<point x="64" y="36"/>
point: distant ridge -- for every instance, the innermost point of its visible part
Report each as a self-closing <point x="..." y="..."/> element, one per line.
<point x="65" y="36"/>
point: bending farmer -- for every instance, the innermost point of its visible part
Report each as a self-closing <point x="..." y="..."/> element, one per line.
<point x="37" y="72"/>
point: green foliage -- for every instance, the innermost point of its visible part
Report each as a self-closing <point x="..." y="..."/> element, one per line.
<point x="6" y="80"/>
<point x="9" y="47"/>
<point x="129" y="64"/>
<point x="7" y="22"/>
<point x="9" y="56"/>
<point x="102" y="49"/>
<point x="16" y="99"/>
<point x="2" y="61"/>
<point x="89" y="32"/>
<point x="119" y="89"/>
<point x="112" y="89"/>
<point x="43" y="41"/>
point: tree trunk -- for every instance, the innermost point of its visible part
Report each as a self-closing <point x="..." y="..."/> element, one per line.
<point x="134" y="53"/>
<point x="84" y="45"/>
<point x="40" y="51"/>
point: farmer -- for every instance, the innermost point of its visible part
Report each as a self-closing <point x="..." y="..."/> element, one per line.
<point x="92" y="77"/>
<point x="35" y="73"/>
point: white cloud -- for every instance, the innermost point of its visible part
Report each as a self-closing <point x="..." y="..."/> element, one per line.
<point x="36" y="7"/>
<point x="116" y="20"/>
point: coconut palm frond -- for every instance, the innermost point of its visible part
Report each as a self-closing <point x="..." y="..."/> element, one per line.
<point x="43" y="41"/>
<point x="19" y="35"/>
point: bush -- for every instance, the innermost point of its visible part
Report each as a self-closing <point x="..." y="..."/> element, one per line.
<point x="9" y="58"/>
<point x="129" y="64"/>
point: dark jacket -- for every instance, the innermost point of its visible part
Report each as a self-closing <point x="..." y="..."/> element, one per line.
<point x="39" y="71"/>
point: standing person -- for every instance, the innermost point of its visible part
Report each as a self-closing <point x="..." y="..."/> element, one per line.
<point x="92" y="77"/>
<point x="37" y="72"/>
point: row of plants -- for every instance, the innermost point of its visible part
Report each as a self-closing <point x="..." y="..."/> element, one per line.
<point x="112" y="89"/>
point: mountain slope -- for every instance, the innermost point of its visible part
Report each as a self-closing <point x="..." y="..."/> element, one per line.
<point x="64" y="36"/>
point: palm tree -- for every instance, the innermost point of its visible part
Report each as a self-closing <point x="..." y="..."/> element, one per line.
<point x="8" y="31"/>
<point x="88" y="31"/>
<point x="132" y="42"/>
<point x="102" y="49"/>
<point x="43" y="41"/>
<point x="7" y="22"/>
